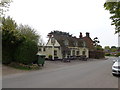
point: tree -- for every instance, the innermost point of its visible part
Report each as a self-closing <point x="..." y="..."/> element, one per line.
<point x="26" y="52"/>
<point x="99" y="47"/>
<point x="114" y="9"/>
<point x="11" y="38"/>
<point x="4" y="4"/>
<point x="29" y="33"/>
<point x="107" y="47"/>
<point x="95" y="41"/>
<point x="113" y="49"/>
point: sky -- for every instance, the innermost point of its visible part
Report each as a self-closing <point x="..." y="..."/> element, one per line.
<point x="73" y="16"/>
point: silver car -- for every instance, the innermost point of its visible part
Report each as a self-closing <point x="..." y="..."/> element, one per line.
<point x="116" y="67"/>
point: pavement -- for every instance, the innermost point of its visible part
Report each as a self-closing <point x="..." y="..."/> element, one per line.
<point x="83" y="74"/>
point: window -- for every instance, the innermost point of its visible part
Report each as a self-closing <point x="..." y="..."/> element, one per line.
<point x="84" y="44"/>
<point x="55" y="52"/>
<point x="40" y="49"/>
<point x="77" y="53"/>
<point x="73" y="52"/>
<point x="75" y="43"/>
<point x="53" y="40"/>
<point x="43" y="49"/>
<point x="66" y="42"/>
<point x="83" y="53"/>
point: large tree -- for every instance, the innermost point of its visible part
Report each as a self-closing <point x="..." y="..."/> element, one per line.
<point x="26" y="52"/>
<point x="11" y="38"/>
<point x="114" y="9"/>
<point x="4" y="6"/>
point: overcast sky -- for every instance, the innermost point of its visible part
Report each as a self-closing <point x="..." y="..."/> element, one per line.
<point x="73" y="16"/>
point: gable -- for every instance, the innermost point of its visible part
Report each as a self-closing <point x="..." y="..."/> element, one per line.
<point x="49" y="43"/>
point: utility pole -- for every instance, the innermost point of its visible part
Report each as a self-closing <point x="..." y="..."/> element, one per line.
<point x="118" y="39"/>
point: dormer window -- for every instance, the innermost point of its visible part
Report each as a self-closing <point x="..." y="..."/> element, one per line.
<point x="53" y="40"/>
<point x="66" y="42"/>
<point x="75" y="43"/>
<point x="84" y="44"/>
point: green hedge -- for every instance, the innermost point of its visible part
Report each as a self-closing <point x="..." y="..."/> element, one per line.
<point x="107" y="54"/>
<point x="26" y="52"/>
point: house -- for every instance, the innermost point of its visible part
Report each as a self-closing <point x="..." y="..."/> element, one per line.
<point x="63" y="45"/>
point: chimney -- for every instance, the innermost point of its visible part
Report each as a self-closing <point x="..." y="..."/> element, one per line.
<point x="49" y="35"/>
<point x="87" y="34"/>
<point x="80" y="36"/>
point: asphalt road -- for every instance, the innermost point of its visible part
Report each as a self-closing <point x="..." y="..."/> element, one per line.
<point x="93" y="74"/>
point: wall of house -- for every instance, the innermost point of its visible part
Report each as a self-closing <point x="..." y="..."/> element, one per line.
<point x="80" y="51"/>
<point x="49" y="51"/>
<point x="50" y="44"/>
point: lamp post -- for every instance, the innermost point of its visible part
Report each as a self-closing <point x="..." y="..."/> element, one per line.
<point x="53" y="43"/>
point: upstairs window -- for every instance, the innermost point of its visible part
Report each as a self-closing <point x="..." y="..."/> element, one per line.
<point x="75" y="43"/>
<point x="40" y="49"/>
<point x="44" y="49"/>
<point x="66" y="42"/>
<point x="84" y="44"/>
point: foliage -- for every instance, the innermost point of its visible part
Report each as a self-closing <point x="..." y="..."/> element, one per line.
<point x="98" y="47"/>
<point x="23" y="66"/>
<point x="26" y="52"/>
<point x="19" y="43"/>
<point x="112" y="49"/>
<point x="107" y="54"/>
<point x="114" y="9"/>
<point x="10" y="39"/>
<point x="95" y="41"/>
<point x="118" y="54"/>
<point x="50" y="57"/>
<point x="107" y="47"/>
<point x="29" y="33"/>
<point x="4" y="4"/>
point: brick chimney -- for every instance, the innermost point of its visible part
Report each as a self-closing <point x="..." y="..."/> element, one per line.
<point x="49" y="35"/>
<point x="80" y="36"/>
<point x="87" y="34"/>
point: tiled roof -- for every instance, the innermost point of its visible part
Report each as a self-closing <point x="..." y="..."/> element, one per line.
<point x="66" y="41"/>
<point x="63" y="37"/>
<point x="89" y="43"/>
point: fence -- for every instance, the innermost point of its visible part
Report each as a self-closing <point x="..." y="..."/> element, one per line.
<point x="96" y="54"/>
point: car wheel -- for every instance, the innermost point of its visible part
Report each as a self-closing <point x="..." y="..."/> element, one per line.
<point x="113" y="74"/>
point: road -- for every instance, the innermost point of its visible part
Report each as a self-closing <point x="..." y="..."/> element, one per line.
<point x="93" y="74"/>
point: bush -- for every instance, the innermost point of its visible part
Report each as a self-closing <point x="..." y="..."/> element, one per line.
<point x="118" y="54"/>
<point x="26" y="52"/>
<point x="7" y="56"/>
<point x="107" y="54"/>
<point x="50" y="57"/>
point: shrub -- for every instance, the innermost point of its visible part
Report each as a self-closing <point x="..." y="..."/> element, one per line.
<point x="50" y="57"/>
<point x="107" y="54"/>
<point x="118" y="54"/>
<point x="26" y="52"/>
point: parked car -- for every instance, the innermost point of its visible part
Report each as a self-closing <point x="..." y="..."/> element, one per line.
<point x="116" y="67"/>
<point x="114" y="60"/>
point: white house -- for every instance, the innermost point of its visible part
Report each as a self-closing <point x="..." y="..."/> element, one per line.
<point x="62" y="45"/>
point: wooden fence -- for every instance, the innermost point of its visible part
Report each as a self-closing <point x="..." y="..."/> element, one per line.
<point x="96" y="54"/>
